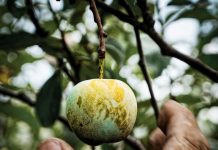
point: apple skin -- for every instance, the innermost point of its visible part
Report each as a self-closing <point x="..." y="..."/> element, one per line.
<point x="101" y="110"/>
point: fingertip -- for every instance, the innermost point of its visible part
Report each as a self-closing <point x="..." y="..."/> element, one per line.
<point x="165" y="114"/>
<point x="54" y="144"/>
<point x="169" y="109"/>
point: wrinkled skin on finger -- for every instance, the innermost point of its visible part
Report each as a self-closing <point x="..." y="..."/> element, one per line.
<point x="178" y="130"/>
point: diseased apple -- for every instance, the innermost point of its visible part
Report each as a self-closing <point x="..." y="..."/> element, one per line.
<point x="101" y="110"/>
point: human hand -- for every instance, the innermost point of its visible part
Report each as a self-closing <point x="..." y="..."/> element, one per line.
<point x="180" y="128"/>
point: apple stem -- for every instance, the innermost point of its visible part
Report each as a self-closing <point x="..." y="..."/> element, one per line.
<point x="102" y="36"/>
<point x="101" y="68"/>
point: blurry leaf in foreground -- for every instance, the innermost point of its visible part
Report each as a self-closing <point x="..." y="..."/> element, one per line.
<point x="200" y="14"/>
<point x="188" y="99"/>
<point x="22" y="40"/>
<point x="115" y="50"/>
<point x="20" y="113"/>
<point x="48" y="100"/>
<point x="18" y="41"/>
<point x="156" y="63"/>
<point x="210" y="59"/>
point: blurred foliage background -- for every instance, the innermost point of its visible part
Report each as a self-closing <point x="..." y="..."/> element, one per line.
<point x="34" y="65"/>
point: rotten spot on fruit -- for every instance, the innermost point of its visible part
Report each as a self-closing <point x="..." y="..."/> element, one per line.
<point x="79" y="102"/>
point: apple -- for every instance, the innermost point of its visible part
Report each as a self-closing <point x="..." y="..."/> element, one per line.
<point x="101" y="110"/>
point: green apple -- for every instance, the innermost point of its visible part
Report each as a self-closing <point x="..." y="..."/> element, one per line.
<point x="101" y="110"/>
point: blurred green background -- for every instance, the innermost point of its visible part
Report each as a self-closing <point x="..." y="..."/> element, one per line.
<point x="34" y="62"/>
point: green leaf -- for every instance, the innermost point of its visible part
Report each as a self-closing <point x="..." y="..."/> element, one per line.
<point x="16" y="11"/>
<point x="188" y="99"/>
<point x="20" y="113"/>
<point x="22" y="40"/>
<point x="48" y="100"/>
<point x="78" y="13"/>
<point x="49" y="26"/>
<point x="210" y="59"/>
<point x="18" y="41"/>
<point x="14" y="60"/>
<point x="156" y="63"/>
<point x="52" y="46"/>
<point x="200" y="14"/>
<point x="204" y="39"/>
<point x="115" y="50"/>
<point x="179" y="2"/>
<point x="88" y="71"/>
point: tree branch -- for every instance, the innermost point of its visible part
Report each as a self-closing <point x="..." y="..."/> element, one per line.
<point x="147" y="18"/>
<point x="18" y="95"/>
<point x="145" y="73"/>
<point x="135" y="143"/>
<point x="102" y="35"/>
<point x="166" y="49"/>
<point x="66" y="71"/>
<point x="142" y="63"/>
<point x="30" y="10"/>
<point x="66" y="49"/>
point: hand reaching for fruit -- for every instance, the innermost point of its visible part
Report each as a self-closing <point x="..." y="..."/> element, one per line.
<point x="178" y="123"/>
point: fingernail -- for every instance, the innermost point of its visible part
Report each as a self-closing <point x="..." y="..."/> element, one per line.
<point x="50" y="145"/>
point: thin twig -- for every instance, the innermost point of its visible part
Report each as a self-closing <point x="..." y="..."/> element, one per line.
<point x="30" y="10"/>
<point x="18" y="95"/>
<point x="147" y="18"/>
<point x="145" y="73"/>
<point x="142" y="63"/>
<point x="70" y="57"/>
<point x="102" y="35"/>
<point x="93" y="147"/>
<point x="166" y="49"/>
<point x="100" y="28"/>
<point x="158" y="10"/>
<point x="135" y="143"/>
<point x="65" y="70"/>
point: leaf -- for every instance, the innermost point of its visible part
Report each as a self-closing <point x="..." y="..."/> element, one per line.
<point x="49" y="26"/>
<point x="134" y="7"/>
<point x="88" y="71"/>
<point x="156" y="63"/>
<point x="20" y="113"/>
<point x="52" y="46"/>
<point x="180" y="2"/>
<point x="22" y="40"/>
<point x="210" y="59"/>
<point x="18" y="41"/>
<point x="16" y="11"/>
<point x="200" y="14"/>
<point x="188" y="99"/>
<point x="115" y="50"/>
<point x="14" y="60"/>
<point x="204" y="39"/>
<point x="48" y="100"/>
<point x="78" y="13"/>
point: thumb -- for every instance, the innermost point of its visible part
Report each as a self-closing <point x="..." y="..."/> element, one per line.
<point x="180" y="128"/>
